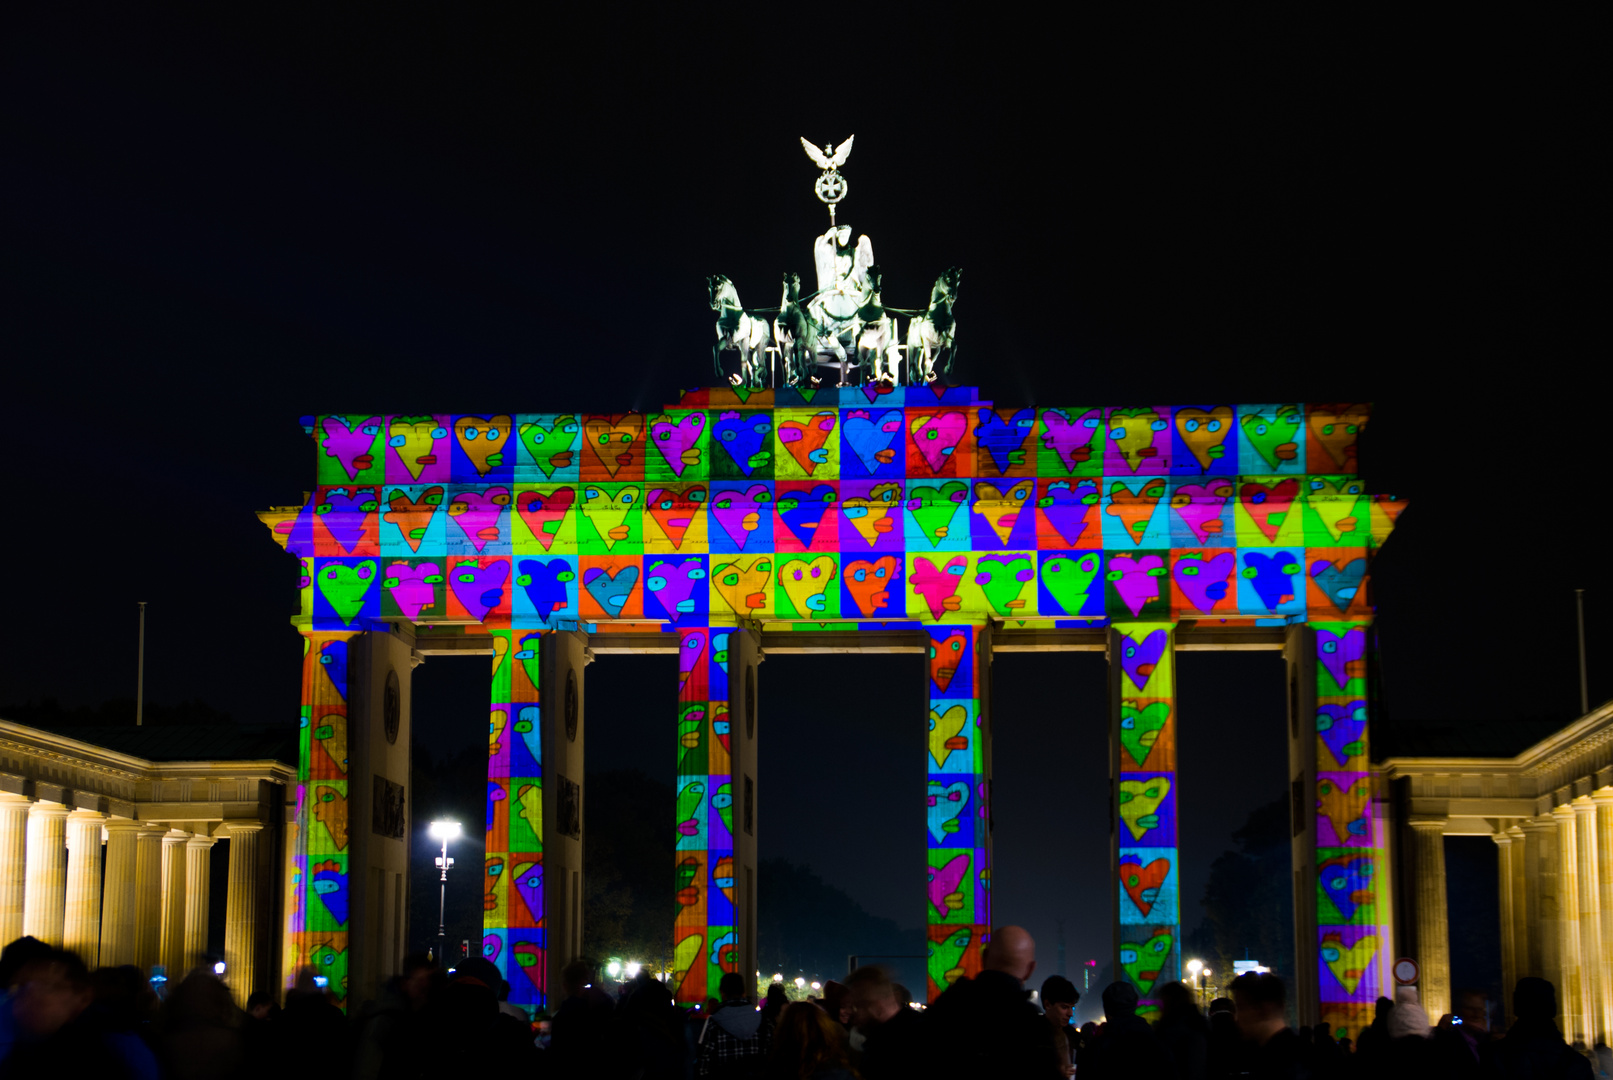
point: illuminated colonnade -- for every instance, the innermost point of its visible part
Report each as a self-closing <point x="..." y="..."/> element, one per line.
<point x="67" y="805"/>
<point x="1549" y="810"/>
<point x="736" y="523"/>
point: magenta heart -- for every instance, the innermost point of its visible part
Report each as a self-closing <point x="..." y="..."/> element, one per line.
<point x="674" y="439"/>
<point x="1200" y="506"/>
<point x="1341" y="655"/>
<point x="944" y="881"/>
<point x="937" y="436"/>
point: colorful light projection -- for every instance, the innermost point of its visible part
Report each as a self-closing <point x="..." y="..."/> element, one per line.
<point x="841" y="509"/>
<point x="705" y="935"/>
<point x="1350" y="890"/>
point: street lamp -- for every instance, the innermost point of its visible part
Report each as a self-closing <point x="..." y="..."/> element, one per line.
<point x="444" y="831"/>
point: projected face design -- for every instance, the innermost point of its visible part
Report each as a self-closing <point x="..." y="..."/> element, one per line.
<point x="418" y="441"/>
<point x="1139" y="799"/>
<point x="482" y="439"/>
<point x="551" y="442"/>
<point x="1274" y="434"/>
<point x="353" y="447"/>
<point x="1144" y="960"/>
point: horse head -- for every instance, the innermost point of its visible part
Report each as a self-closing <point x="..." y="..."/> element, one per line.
<point x="792" y="289"/>
<point x="875" y="274"/>
<point x="719" y="287"/>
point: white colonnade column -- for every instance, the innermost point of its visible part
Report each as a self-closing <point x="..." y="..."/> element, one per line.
<point x="198" y="883"/>
<point x="118" y="893"/>
<point x="148" y="899"/>
<point x="240" y="917"/>
<point x="45" y="891"/>
<point x="13" y="865"/>
<point x="173" y="902"/>
<point x="81" y="930"/>
<point x="1572" y="1007"/>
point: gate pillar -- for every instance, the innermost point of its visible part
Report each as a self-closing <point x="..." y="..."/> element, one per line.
<point x="958" y="764"/>
<point x="715" y="859"/>
<point x="1342" y="925"/>
<point x="532" y="877"/>
<point x="350" y="864"/>
<point x="1142" y="755"/>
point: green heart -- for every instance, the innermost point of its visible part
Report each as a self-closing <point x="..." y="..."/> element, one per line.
<point x="935" y="506"/>
<point x="1266" y="435"/>
<point x="544" y="442"/>
<point x="1070" y="579"/>
<point x="344" y="587"/>
<point x="999" y="580"/>
<point x="1144" y="961"/>
<point x="1139" y="727"/>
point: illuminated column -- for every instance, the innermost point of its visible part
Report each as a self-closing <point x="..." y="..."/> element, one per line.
<point x="118" y="899"/>
<point x="45" y="898"/>
<point x="148" y="899"/>
<point x="1507" y="856"/>
<point x="1540" y="868"/>
<point x="1592" y="961"/>
<point x="197" y="892"/>
<point x="13" y="864"/>
<point x="173" y="903"/>
<point x="958" y="904"/>
<point x="318" y="924"/>
<point x="1570" y="992"/>
<point x="512" y="922"/>
<point x="565" y="655"/>
<point x="744" y="655"/>
<point x="1433" y="930"/>
<point x="240" y="911"/>
<point x="1339" y="855"/>
<point x="81" y="932"/>
<point x="1143" y="729"/>
<point x="1603" y="799"/>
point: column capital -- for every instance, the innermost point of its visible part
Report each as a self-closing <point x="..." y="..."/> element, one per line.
<point x="1504" y="837"/>
<point x="1516" y="831"/>
<point x="46" y="808"/>
<point x="174" y="836"/>
<point x="1602" y="796"/>
<point x="86" y="815"/>
<point x="200" y="840"/>
<point x="231" y="828"/>
<point x="11" y="798"/>
<point x="1583" y="805"/>
<point x="1543" y="823"/>
<point x="1425" y="823"/>
<point x="123" y="825"/>
<point x="1563" y="812"/>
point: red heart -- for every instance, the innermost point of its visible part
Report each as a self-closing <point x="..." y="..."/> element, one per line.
<point x="541" y="511"/>
<point x="674" y="509"/>
<point x="802" y="439"/>
<point x="944" y="657"/>
<point x="1135" y="878"/>
<point x="1265" y="501"/>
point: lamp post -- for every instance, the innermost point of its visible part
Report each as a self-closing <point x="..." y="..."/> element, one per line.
<point x="444" y="831"/>
<point x="1193" y="969"/>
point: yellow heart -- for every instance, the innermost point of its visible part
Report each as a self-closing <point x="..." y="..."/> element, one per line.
<point x="1138" y="801"/>
<point x="1204" y="432"/>
<point x="1348" y="965"/>
<point x="608" y="514"/>
<point x="945" y="734"/>
<point x="531" y="796"/>
<point x="803" y="582"/>
<point x="1002" y="509"/>
<point x="501" y="646"/>
<point x="871" y="516"/>
<point x="1334" y="502"/>
<point x="744" y="584"/>
<point x="494" y="729"/>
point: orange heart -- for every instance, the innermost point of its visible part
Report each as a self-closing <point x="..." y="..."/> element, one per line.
<point x="614" y="441"/>
<point x="1135" y="508"/>
<point x="1336" y="427"/>
<point x="869" y="582"/>
<point x="801" y="440"/>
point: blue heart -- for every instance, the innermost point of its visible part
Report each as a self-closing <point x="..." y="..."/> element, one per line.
<point x="1066" y="508"/>
<point x="947" y="803"/>
<point x="868" y="437"/>
<point x="742" y="435"/>
<point x="610" y="592"/>
<point x="803" y="511"/>
<point x="545" y="585"/>
<point x="1339" y="584"/>
<point x="1003" y="439"/>
<point x="331" y="888"/>
<point x="1271" y="576"/>
<point x="333" y="658"/>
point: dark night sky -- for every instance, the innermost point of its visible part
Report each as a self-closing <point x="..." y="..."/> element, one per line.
<point x="217" y="220"/>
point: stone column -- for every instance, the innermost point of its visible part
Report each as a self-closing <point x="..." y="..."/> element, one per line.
<point x="81" y="932"/>
<point x="45" y="893"/>
<point x="148" y="899"/>
<point x="240" y="911"/>
<point x="1591" y="984"/>
<point x="1433" y="930"/>
<point x="1603" y="800"/>
<point x="13" y="864"/>
<point x="173" y="902"/>
<point x="1540" y="863"/>
<point x="197" y="885"/>
<point x="1508" y="856"/>
<point x="1572" y="1008"/>
<point x="118" y="897"/>
<point x="1523" y="931"/>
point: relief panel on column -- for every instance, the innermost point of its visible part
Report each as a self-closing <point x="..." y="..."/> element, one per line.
<point x="958" y="900"/>
<point x="318" y="921"/>
<point x="1146" y="792"/>
<point x="1350" y="904"/>
<point x="512" y="870"/>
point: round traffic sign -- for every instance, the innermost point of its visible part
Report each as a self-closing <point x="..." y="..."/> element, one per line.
<point x="1405" y="971"/>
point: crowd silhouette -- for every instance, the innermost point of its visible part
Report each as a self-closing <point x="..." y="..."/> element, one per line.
<point x="57" y="1018"/>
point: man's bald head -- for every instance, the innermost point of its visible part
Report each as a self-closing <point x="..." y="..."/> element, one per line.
<point x="1012" y="951"/>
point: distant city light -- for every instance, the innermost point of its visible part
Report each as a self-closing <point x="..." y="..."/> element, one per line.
<point x="218" y="968"/>
<point x="614" y="968"/>
<point x="633" y="968"/>
<point x="799" y="982"/>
